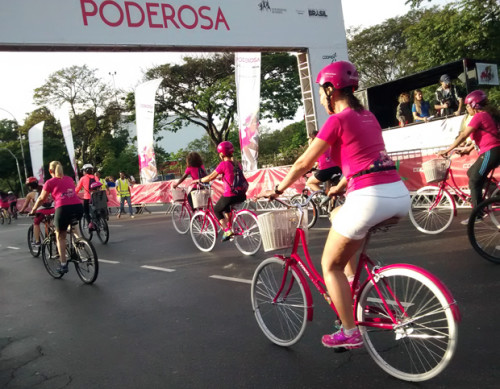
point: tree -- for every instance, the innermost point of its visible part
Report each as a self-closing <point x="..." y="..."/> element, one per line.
<point x="202" y="91"/>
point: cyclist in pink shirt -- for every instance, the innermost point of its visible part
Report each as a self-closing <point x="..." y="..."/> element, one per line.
<point x="85" y="183"/>
<point x="375" y="191"/>
<point x="195" y="169"/>
<point x="484" y="131"/>
<point x="67" y="204"/>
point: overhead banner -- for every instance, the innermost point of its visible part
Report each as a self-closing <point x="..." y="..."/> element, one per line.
<point x="35" y="136"/>
<point x="247" y="77"/>
<point x="64" y="118"/>
<point x="144" y="114"/>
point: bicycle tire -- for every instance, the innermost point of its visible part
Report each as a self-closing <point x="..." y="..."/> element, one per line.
<point x="484" y="235"/>
<point x="7" y="216"/>
<point x="203" y="231"/>
<point x="181" y="218"/>
<point x="246" y="232"/>
<point x="2" y="221"/>
<point x="283" y="322"/>
<point x="428" y="216"/>
<point x="86" y="262"/>
<point x="423" y="342"/>
<point x="102" y="230"/>
<point x="84" y="228"/>
<point x="35" y="252"/>
<point x="312" y="208"/>
<point x="50" y="256"/>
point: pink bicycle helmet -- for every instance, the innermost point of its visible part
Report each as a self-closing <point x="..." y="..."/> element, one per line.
<point x="31" y="180"/>
<point x="226" y="148"/>
<point x="477" y="99"/>
<point x="95" y="185"/>
<point x="340" y="74"/>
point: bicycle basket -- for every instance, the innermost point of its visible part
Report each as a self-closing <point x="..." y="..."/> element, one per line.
<point x="178" y="194"/>
<point x="277" y="228"/>
<point x="435" y="169"/>
<point x="200" y="198"/>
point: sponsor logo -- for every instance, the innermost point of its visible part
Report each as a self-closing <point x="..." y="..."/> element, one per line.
<point x="318" y="12"/>
<point x="265" y="6"/>
<point x="331" y="57"/>
<point x="153" y="15"/>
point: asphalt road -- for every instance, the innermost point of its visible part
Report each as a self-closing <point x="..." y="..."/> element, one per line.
<point x="164" y="315"/>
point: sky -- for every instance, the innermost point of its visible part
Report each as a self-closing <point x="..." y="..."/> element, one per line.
<point x="21" y="73"/>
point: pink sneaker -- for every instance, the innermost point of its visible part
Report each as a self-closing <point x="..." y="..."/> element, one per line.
<point x="91" y="226"/>
<point x="339" y="339"/>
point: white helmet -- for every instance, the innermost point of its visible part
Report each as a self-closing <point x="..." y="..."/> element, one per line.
<point x="87" y="166"/>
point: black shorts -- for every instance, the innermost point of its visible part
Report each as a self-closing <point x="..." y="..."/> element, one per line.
<point x="329" y="174"/>
<point x="66" y="214"/>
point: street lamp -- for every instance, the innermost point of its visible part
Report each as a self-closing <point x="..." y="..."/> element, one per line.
<point x="20" y="141"/>
<point x="18" y="170"/>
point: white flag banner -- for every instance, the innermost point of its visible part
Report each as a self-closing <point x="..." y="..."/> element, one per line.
<point x="248" y="100"/>
<point x="35" y="137"/>
<point x="65" y="121"/>
<point x="144" y="115"/>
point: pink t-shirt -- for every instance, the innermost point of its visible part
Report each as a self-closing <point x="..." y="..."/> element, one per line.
<point x="326" y="161"/>
<point x="62" y="191"/>
<point x="85" y="184"/>
<point x="485" y="132"/>
<point x="226" y="168"/>
<point x="356" y="142"/>
<point x="193" y="172"/>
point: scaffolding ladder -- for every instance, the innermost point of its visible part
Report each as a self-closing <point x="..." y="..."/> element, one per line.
<point x="307" y="92"/>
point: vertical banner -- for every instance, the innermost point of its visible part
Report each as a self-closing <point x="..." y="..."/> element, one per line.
<point x="35" y="136"/>
<point x="65" y="121"/>
<point x="248" y="101"/>
<point x="144" y="112"/>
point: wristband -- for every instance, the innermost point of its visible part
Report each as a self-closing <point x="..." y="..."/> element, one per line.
<point x="278" y="192"/>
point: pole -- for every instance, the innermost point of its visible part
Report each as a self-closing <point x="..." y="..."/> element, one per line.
<point x="20" y="141"/>
<point x="18" y="170"/>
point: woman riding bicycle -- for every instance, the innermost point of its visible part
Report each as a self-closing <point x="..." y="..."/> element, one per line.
<point x="85" y="183"/>
<point x="229" y="197"/>
<point x="67" y="204"/>
<point x="47" y="208"/>
<point x="483" y="128"/>
<point x="195" y="169"/>
<point x="375" y="191"/>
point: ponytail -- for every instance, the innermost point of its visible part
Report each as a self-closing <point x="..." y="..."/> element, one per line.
<point x="57" y="168"/>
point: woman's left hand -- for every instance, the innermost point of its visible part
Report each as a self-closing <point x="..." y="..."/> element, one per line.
<point x="270" y="194"/>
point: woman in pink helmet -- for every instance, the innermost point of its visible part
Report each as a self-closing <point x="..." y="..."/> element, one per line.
<point x="484" y="131"/>
<point x="231" y="194"/>
<point x="375" y="191"/>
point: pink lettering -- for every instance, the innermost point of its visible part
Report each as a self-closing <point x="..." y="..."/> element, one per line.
<point x="170" y="16"/>
<point x="86" y="13"/>
<point x="128" y="6"/>
<point x="180" y="12"/>
<point x="205" y="17"/>
<point x="103" y="17"/>
<point x="221" y="19"/>
<point x="152" y="13"/>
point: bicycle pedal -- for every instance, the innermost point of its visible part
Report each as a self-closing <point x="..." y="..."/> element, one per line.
<point x="340" y="350"/>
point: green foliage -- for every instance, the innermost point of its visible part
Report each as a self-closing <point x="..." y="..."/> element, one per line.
<point x="282" y="147"/>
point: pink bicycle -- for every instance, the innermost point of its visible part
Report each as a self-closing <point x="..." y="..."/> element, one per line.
<point x="406" y="315"/>
<point x="181" y="211"/>
<point x="205" y="227"/>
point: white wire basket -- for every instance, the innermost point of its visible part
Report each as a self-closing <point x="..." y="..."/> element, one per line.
<point x="200" y="198"/>
<point x="435" y="169"/>
<point x="178" y="194"/>
<point x="277" y="228"/>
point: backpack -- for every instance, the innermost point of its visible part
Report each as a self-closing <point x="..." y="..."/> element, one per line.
<point x="91" y="181"/>
<point x="201" y="172"/>
<point x="240" y="183"/>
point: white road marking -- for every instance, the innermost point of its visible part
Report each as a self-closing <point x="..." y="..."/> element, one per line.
<point x="13" y="248"/>
<point x="158" y="268"/>
<point x="232" y="279"/>
<point x="107" y="261"/>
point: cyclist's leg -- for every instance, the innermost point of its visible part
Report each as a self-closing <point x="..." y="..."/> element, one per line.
<point x="190" y="200"/>
<point x="221" y="208"/>
<point x="313" y="183"/>
<point x="86" y="209"/>
<point x="36" y="227"/>
<point x="61" y="223"/>
<point x="478" y="173"/>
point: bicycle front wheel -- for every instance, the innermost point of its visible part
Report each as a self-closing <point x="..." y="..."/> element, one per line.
<point x="281" y="318"/>
<point x="50" y="256"/>
<point x="203" y="231"/>
<point x="84" y="228"/>
<point x="312" y="208"/>
<point x="431" y="210"/>
<point x="86" y="263"/>
<point x="484" y="229"/>
<point x="422" y="341"/>
<point x="102" y="230"/>
<point x="181" y="217"/>
<point x="246" y="233"/>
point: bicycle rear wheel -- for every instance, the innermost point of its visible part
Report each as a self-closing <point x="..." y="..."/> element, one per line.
<point x="86" y="263"/>
<point x="246" y="232"/>
<point x="31" y="239"/>
<point x="181" y="217"/>
<point x="84" y="228"/>
<point x="422" y="342"/>
<point x="50" y="256"/>
<point x="282" y="321"/>
<point x="312" y="208"/>
<point x="484" y="233"/>
<point x="7" y="216"/>
<point x="203" y="231"/>
<point x="431" y="212"/>
<point x="102" y="229"/>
